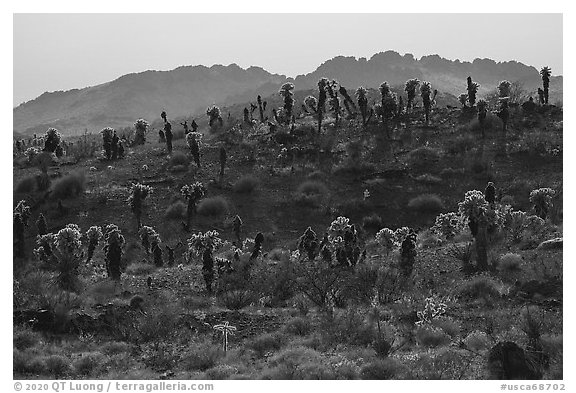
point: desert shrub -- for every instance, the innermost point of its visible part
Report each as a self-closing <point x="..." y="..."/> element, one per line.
<point x="195" y="302"/>
<point x="57" y="365"/>
<point x="448" y="326"/>
<point x="431" y="337"/>
<point x="159" y="323"/>
<point x="266" y="343"/>
<point x="236" y="299"/>
<point x="312" y="188"/>
<point x="508" y="200"/>
<point x="480" y="287"/>
<point x="423" y="157"/>
<point x="429" y="179"/>
<point x="353" y="206"/>
<point x="349" y="168"/>
<point x="176" y="211"/>
<point x="426" y="203"/>
<point x="112" y="348"/>
<point x="347" y="326"/>
<point x="201" y="356"/>
<point x="213" y="207"/>
<point x="246" y="184"/>
<point x="373" y="222"/>
<point x="88" y="364"/>
<point x="298" y="326"/>
<point x="26" y="185"/>
<point x="221" y="372"/>
<point x="68" y="186"/>
<point x="477" y="341"/>
<point x="381" y="369"/>
<point x="452" y="172"/>
<point x="140" y="269"/>
<point x="27" y="363"/>
<point x="478" y="166"/>
<point x="24" y="338"/>
<point x="510" y="263"/>
<point x="460" y="144"/>
<point x="310" y="194"/>
<point x="298" y="363"/>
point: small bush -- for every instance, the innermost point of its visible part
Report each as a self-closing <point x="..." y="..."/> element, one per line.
<point x="381" y="369"/>
<point x="26" y="185"/>
<point x="372" y="222"/>
<point x="432" y="337"/>
<point x="140" y="269"/>
<point x="422" y="157"/>
<point x="24" y="339"/>
<point x="176" y="211"/>
<point x="312" y="187"/>
<point x="68" y="186"/>
<point x="266" y="343"/>
<point x="428" y="179"/>
<point x="448" y="326"/>
<point x="477" y="341"/>
<point x="221" y="372"/>
<point x="114" y="348"/>
<point x="246" y="184"/>
<point x="26" y="363"/>
<point x="213" y="207"/>
<point x="461" y="144"/>
<point x="236" y="299"/>
<point x="452" y="172"/>
<point x="201" y="356"/>
<point x="510" y="263"/>
<point x="298" y="363"/>
<point x="298" y="326"/>
<point x="179" y="159"/>
<point x="88" y="363"/>
<point x="426" y="203"/>
<point x="57" y="365"/>
<point x="480" y="287"/>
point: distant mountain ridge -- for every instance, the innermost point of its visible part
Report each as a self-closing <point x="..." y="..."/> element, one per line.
<point x="190" y="89"/>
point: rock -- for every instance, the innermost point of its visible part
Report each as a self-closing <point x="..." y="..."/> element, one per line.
<point x="506" y="360"/>
<point x="552" y="244"/>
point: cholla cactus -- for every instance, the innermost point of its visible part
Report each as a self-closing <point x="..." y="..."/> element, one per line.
<point x="447" y="225"/>
<point x="545" y="72"/>
<point x="260" y="109"/>
<point x="433" y="309"/>
<point x="473" y="207"/>
<point x="52" y="140"/>
<point x="472" y="90"/>
<point x="67" y="249"/>
<point x="31" y="153"/>
<point x="348" y="103"/>
<point x="342" y="240"/>
<point x="193" y="194"/>
<point x="140" y="126"/>
<point x="146" y="234"/>
<point x="193" y="140"/>
<point x="542" y="201"/>
<point x="215" y="116"/>
<point x="387" y="240"/>
<point x="463" y="98"/>
<point x="408" y="253"/>
<point x="482" y="111"/>
<point x="308" y="243"/>
<point x="113" y="251"/>
<point x="150" y="240"/>
<point x="425" y="91"/>
<point x="311" y="103"/>
<point x="322" y="83"/>
<point x="41" y="225"/>
<point x="389" y="103"/>
<point x="138" y="193"/>
<point x="286" y="91"/>
<point x="410" y="89"/>
<point x="21" y="215"/>
<point x="107" y="134"/>
<point x="45" y="245"/>
<point x="205" y="244"/>
<point x="93" y="234"/>
<point x="334" y="102"/>
<point x="504" y="89"/>
<point x="518" y="222"/>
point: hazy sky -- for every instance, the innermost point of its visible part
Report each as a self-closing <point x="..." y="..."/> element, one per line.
<point x="65" y="51"/>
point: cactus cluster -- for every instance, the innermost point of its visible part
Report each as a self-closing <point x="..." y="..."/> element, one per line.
<point x="140" y="127"/>
<point x="362" y="98"/>
<point x="204" y="245"/>
<point x="138" y="193"/>
<point x="286" y="91"/>
<point x="410" y="89"/>
<point x="113" y="250"/>
<point x="447" y="225"/>
<point x="52" y="140"/>
<point x="93" y="234"/>
<point x="545" y="73"/>
<point x="472" y="88"/>
<point x="193" y="193"/>
<point x="214" y="116"/>
<point x="21" y="215"/>
<point x="425" y="91"/>
<point x="541" y="199"/>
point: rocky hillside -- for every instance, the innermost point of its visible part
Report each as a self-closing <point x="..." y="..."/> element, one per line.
<point x="188" y="90"/>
